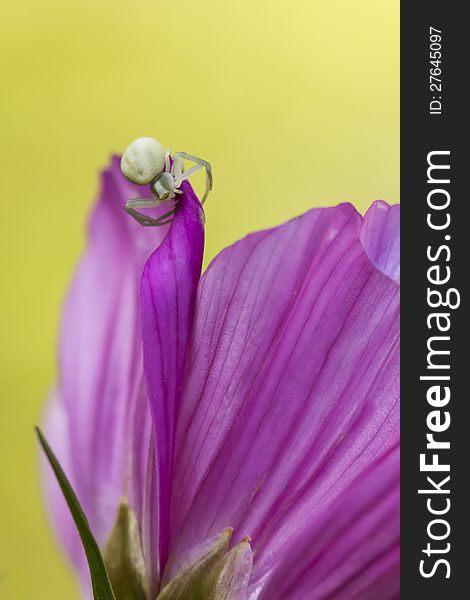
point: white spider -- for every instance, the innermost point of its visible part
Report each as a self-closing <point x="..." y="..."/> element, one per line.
<point x="145" y="162"/>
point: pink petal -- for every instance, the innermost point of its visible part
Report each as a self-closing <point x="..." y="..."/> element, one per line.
<point x="380" y="236"/>
<point x="352" y="552"/>
<point x="168" y="291"/>
<point x="100" y="362"/>
<point x="56" y="428"/>
<point x="292" y="384"/>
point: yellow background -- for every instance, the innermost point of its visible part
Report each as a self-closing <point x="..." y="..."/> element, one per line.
<point x="295" y="103"/>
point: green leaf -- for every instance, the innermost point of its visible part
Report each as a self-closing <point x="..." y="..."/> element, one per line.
<point x="102" y="589"/>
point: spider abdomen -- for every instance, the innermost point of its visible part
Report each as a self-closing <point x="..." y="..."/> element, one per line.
<point x="143" y="160"/>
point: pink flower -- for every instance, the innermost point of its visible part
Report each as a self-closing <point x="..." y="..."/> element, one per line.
<point x="262" y="397"/>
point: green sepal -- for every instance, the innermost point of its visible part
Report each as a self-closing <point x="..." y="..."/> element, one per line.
<point x="101" y="584"/>
<point x="218" y="574"/>
<point x="124" y="558"/>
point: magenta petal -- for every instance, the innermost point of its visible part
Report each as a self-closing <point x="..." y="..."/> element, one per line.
<point x="380" y="235"/>
<point x="56" y="428"/>
<point x="352" y="552"/>
<point x="292" y="383"/>
<point x="168" y="291"/>
<point x="143" y="488"/>
<point x="100" y="362"/>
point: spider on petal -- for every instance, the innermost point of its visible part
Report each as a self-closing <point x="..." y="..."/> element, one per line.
<point x="145" y="162"/>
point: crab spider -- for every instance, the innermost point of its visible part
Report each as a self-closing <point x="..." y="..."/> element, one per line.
<point x="146" y="163"/>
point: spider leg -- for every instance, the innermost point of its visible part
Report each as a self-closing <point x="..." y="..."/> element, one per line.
<point x="143" y="203"/>
<point x="177" y="170"/>
<point x="167" y="160"/>
<point x="143" y="219"/>
<point x="179" y="174"/>
<point x="200" y="163"/>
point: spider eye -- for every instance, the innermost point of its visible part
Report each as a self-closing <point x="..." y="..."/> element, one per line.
<point x="143" y="160"/>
